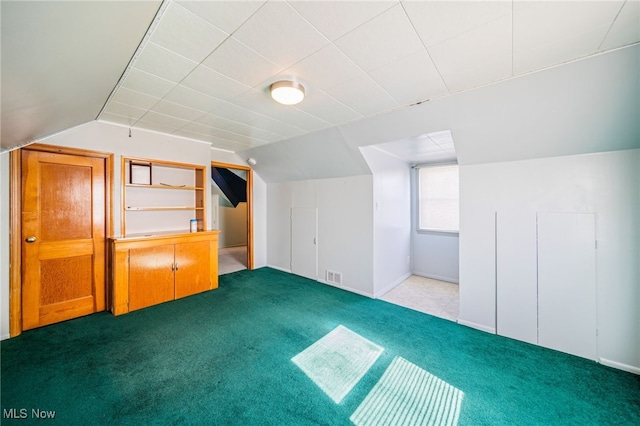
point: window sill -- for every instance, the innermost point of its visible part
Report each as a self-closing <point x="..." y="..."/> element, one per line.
<point x="437" y="232"/>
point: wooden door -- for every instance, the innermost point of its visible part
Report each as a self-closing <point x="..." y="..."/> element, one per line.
<point x="63" y="237"/>
<point x="151" y="272"/>
<point x="192" y="268"/>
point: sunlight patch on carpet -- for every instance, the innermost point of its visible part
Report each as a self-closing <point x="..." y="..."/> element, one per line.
<point x="338" y="361"/>
<point x="408" y="395"/>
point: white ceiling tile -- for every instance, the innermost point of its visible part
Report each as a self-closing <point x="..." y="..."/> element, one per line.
<point x="125" y="110"/>
<point x="211" y="83"/>
<point x="155" y="126"/>
<point x="626" y="28"/>
<point x="215" y="121"/>
<point x="363" y="95"/>
<point x="437" y="21"/>
<point x="164" y="63"/>
<point x="182" y="32"/>
<point x="236" y="113"/>
<point x="384" y="39"/>
<point x="261" y="102"/>
<point x="410" y="79"/>
<point x="274" y="126"/>
<point x="219" y="133"/>
<point x="178" y="111"/>
<point x="327" y="108"/>
<point x="193" y="99"/>
<point x="477" y="57"/>
<point x="278" y="33"/>
<point x="326" y="67"/>
<point x="423" y="148"/>
<point x="149" y="84"/>
<point x="336" y="18"/>
<point x="243" y="115"/>
<point x="237" y="61"/>
<point x="191" y="135"/>
<point x="163" y="121"/>
<point x="441" y="138"/>
<point x="243" y="129"/>
<point x="138" y="99"/>
<point x="547" y="33"/>
<point x="225" y="15"/>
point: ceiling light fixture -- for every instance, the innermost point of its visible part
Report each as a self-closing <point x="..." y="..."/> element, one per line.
<point x="287" y="92"/>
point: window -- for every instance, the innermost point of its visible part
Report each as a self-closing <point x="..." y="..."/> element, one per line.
<point x="438" y="202"/>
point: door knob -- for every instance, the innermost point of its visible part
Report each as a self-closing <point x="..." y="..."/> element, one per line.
<point x="31" y="239"/>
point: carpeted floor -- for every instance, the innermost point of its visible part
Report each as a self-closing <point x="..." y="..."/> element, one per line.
<point x="225" y="358"/>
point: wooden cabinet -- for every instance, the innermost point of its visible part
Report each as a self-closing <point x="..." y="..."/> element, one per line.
<point x="152" y="269"/>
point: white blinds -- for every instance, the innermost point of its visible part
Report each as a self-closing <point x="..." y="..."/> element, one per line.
<point x="438" y="198"/>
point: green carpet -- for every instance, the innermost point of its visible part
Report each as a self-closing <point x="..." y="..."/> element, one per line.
<point x="225" y="358"/>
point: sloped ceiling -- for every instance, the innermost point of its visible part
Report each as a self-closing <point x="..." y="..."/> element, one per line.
<point x="204" y="69"/>
<point x="207" y="67"/>
<point x="62" y="59"/>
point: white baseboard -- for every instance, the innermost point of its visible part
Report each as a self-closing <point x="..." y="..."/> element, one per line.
<point x="437" y="277"/>
<point x="279" y="268"/>
<point x="477" y="326"/>
<point x="619" y="366"/>
<point x="347" y="288"/>
<point x="391" y="286"/>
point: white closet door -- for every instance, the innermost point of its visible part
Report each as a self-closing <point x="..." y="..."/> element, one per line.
<point x="304" y="248"/>
<point x="567" y="283"/>
<point x="516" y="284"/>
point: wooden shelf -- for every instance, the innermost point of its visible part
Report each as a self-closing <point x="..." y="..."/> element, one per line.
<point x="163" y="186"/>
<point x="135" y="209"/>
<point x="171" y="194"/>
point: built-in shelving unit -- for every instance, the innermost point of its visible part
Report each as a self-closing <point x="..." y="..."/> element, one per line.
<point x="161" y="196"/>
<point x="159" y="257"/>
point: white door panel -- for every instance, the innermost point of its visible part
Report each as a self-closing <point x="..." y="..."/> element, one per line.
<point x="567" y="283"/>
<point x="304" y="248"/>
<point x="516" y="283"/>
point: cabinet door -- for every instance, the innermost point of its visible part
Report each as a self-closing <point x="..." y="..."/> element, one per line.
<point x="192" y="268"/>
<point x="150" y="276"/>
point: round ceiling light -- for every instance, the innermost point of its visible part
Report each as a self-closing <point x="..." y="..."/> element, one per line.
<point x="287" y="92"/>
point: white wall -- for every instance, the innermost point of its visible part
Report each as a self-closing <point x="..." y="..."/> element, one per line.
<point x="605" y="184"/>
<point x="4" y="245"/>
<point x="104" y="137"/>
<point x="233" y="224"/>
<point x="259" y="222"/>
<point x="391" y="219"/>
<point x="435" y="255"/>
<point x="345" y="226"/>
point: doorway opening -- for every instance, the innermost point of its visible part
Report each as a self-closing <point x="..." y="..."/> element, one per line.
<point x="232" y="214"/>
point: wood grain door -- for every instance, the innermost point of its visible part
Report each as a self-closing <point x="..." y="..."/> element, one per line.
<point x="63" y="237"/>
<point x="151" y="276"/>
<point x="192" y="268"/>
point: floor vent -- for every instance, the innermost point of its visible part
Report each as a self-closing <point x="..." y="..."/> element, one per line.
<point x="334" y="277"/>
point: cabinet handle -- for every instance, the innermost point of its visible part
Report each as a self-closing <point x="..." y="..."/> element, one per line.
<point x="176" y="266"/>
<point x="173" y="266"/>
